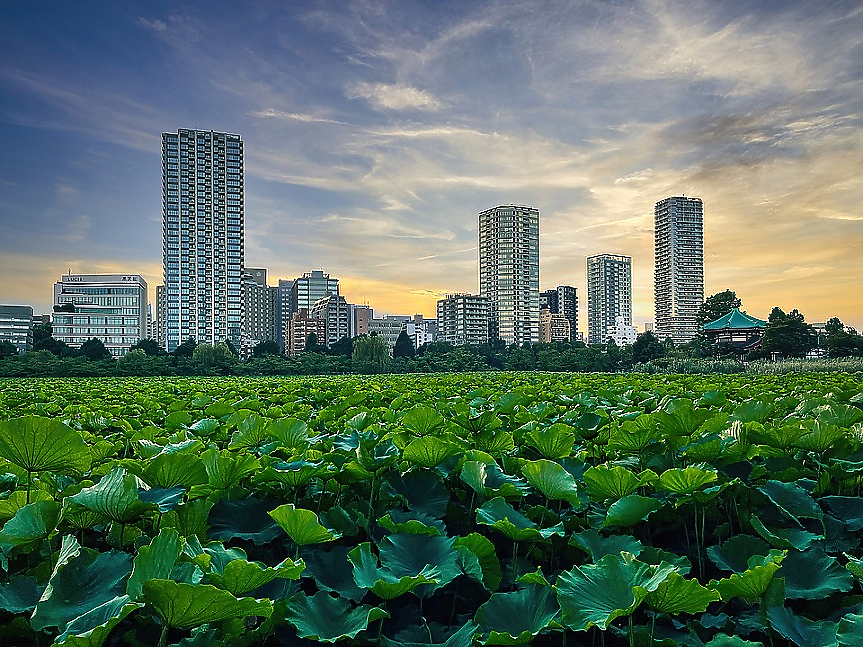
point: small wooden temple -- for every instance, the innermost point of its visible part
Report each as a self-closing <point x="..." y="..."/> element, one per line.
<point x="737" y="329"/>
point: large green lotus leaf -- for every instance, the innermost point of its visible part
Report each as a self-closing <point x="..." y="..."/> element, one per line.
<point x="252" y="430"/>
<point x="225" y="469"/>
<point x="92" y="628"/>
<point x="848" y="509"/>
<point x="515" y="618"/>
<point x="724" y="640"/>
<point x="813" y="575"/>
<point x="678" y="595"/>
<point x="854" y="566"/>
<point x="604" y="482"/>
<point x="735" y="553"/>
<point x="332" y="571"/>
<point x="422" y="420"/>
<point x="489" y="480"/>
<point x="240" y="576"/>
<point x="841" y="415"/>
<point x="155" y="561"/>
<point x="753" y="582"/>
<point x="184" y="605"/>
<point x="247" y="519"/>
<point x="501" y="516"/>
<point x="31" y="523"/>
<point x="383" y="582"/>
<point x="598" y="546"/>
<point x="20" y="593"/>
<point x="802" y="631"/>
<point x="796" y="538"/>
<point x="397" y="521"/>
<point x="115" y="496"/>
<point x="552" y="480"/>
<point x="88" y="581"/>
<point x="165" y="498"/>
<point x="685" y="481"/>
<point x="301" y="525"/>
<point x="204" y="427"/>
<point x="596" y="594"/>
<point x="429" y="451"/>
<point x="753" y="411"/>
<point x="680" y="418"/>
<point x="291" y="433"/>
<point x="821" y="437"/>
<point x="632" y="437"/>
<point x="553" y="442"/>
<point x="171" y="470"/>
<point x="415" y="554"/>
<point x="423" y="490"/>
<point x="480" y="546"/>
<point x="18" y="499"/>
<point x="38" y="444"/>
<point x="324" y="618"/>
<point x="461" y="638"/>
<point x="850" y="631"/>
<point x="791" y="500"/>
<point x="656" y="556"/>
<point x="295" y="473"/>
<point x="630" y="510"/>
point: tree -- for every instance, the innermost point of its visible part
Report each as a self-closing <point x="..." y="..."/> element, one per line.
<point x="266" y="347"/>
<point x="717" y="305"/>
<point x="404" y="346"/>
<point x="841" y="341"/>
<point x="647" y="348"/>
<point x="343" y="347"/>
<point x="150" y="347"/>
<point x="312" y="345"/>
<point x="231" y="348"/>
<point x="7" y="349"/>
<point x="371" y="354"/>
<point x="214" y="358"/>
<point x="94" y="350"/>
<point x="788" y="334"/>
<point x="186" y="349"/>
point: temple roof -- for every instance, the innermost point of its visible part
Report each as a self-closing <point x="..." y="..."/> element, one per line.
<point x="734" y="320"/>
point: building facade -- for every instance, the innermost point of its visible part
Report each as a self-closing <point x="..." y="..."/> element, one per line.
<point x="336" y="313"/>
<point x="202" y="236"/>
<point x="258" y="322"/>
<point x="310" y="287"/>
<point x="299" y="329"/>
<point x="421" y="330"/>
<point x="622" y="333"/>
<point x="109" y="307"/>
<point x="609" y="294"/>
<point x="463" y="319"/>
<point x="562" y="300"/>
<point x="360" y="315"/>
<point x="509" y="271"/>
<point x="678" y="274"/>
<point x="389" y="327"/>
<point x="16" y="326"/>
<point x="282" y="310"/>
<point x="553" y="327"/>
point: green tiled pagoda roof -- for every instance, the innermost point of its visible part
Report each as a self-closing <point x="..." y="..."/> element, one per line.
<point x="734" y="320"/>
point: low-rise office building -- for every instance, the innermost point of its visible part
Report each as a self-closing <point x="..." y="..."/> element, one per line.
<point x="16" y="326"/>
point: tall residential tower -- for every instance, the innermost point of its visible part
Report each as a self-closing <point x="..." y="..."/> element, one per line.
<point x="202" y="236"/>
<point x="678" y="275"/>
<point x="609" y="294"/>
<point x="509" y="271"/>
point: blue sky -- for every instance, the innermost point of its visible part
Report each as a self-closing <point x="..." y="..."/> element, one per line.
<point x="376" y="131"/>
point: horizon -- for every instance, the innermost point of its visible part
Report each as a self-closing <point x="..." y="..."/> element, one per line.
<point x="374" y="134"/>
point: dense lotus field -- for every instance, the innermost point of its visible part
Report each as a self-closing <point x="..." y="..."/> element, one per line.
<point x="442" y="510"/>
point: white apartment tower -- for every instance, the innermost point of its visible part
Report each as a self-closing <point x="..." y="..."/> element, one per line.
<point x="678" y="275"/>
<point x="202" y="236"/>
<point x="509" y="271"/>
<point x="609" y="294"/>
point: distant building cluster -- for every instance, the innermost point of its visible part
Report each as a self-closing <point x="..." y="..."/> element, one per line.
<point x="210" y="294"/>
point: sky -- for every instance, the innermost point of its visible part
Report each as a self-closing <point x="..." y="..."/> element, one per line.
<point x="375" y="131"/>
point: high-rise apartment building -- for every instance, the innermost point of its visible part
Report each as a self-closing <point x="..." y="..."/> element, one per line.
<point x="336" y="313"/>
<point x="678" y="274"/>
<point x="257" y="306"/>
<point x="609" y="294"/>
<point x="300" y="327"/>
<point x="509" y="271"/>
<point x="109" y="307"/>
<point x="202" y="236"/>
<point x="462" y="319"/>
<point x="282" y="310"/>
<point x="562" y="300"/>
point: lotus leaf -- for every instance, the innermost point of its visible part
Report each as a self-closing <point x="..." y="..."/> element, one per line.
<point x="596" y="594"/>
<point x="184" y="605"/>
<point x="429" y="451"/>
<point x="291" y="433"/>
<point x="115" y="496"/>
<point x="784" y="537"/>
<point x="848" y="509"/>
<point x="225" y="469"/>
<point x="554" y="442"/>
<point x="92" y="628"/>
<point x="850" y="630"/>
<point x="414" y="554"/>
<point x="20" y="593"/>
<point x="685" y="481"/>
<point x="598" y="546"/>
<point x="500" y="515"/>
<point x="480" y="546"/>
<point x="155" y="561"/>
<point x="552" y="480"/>
<point x="515" y="618"/>
<point x="240" y="576"/>
<point x="38" y="444"/>
<point x="383" y="582"/>
<point x="677" y="595"/>
<point x="301" y="525"/>
<point x="791" y="500"/>
<point x="402" y="522"/>
<point x="31" y="523"/>
<point x="753" y="582"/>
<point x="801" y="631"/>
<point x="735" y="553"/>
<point x="332" y="571"/>
<point x="629" y="510"/>
<point x="614" y="482"/>
<point x="324" y="618"/>
<point x="247" y="519"/>
<point x="422" y="420"/>
<point x="813" y="575"/>
<point x="489" y="480"/>
<point x="461" y="638"/>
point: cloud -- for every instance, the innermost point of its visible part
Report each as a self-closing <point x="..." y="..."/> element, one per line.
<point x="393" y="97"/>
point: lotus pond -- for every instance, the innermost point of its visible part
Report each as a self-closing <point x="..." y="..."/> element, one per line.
<point x="457" y="510"/>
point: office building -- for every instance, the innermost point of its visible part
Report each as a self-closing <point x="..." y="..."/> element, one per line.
<point x="282" y="310"/>
<point x="509" y="271"/>
<point x="310" y="287"/>
<point x="678" y="275"/>
<point x="202" y="236"/>
<point x="16" y="326"/>
<point x="336" y="313"/>
<point x="463" y="319"/>
<point x="258" y="321"/>
<point x="299" y="329"/>
<point x="389" y="327"/>
<point x="609" y="294"/>
<point x="360" y="316"/>
<point x="562" y="300"/>
<point x="553" y="327"/>
<point x="421" y="330"/>
<point x="109" y="307"/>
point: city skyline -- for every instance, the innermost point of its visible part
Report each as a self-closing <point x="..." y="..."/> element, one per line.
<point x="375" y="133"/>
